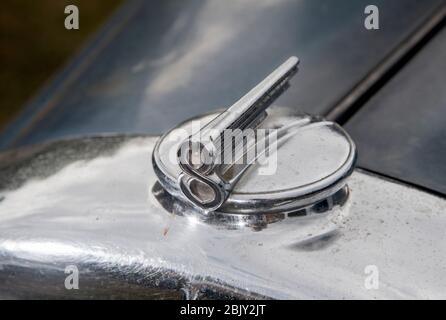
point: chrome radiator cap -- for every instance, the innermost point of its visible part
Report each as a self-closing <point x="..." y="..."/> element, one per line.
<point x="254" y="167"/>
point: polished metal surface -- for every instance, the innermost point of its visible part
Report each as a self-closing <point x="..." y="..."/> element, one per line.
<point x="154" y="64"/>
<point x="401" y="131"/>
<point x="215" y="157"/>
<point x="66" y="205"/>
<point x="111" y="205"/>
<point x="312" y="161"/>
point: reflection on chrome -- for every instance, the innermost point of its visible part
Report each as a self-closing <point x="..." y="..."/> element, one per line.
<point x="256" y="222"/>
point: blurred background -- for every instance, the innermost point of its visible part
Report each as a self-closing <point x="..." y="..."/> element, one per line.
<point x="34" y="44"/>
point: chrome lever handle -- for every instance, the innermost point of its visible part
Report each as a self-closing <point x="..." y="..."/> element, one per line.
<point x="200" y="156"/>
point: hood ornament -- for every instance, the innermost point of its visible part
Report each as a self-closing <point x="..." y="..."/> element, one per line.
<point x="208" y="155"/>
<point x="245" y="162"/>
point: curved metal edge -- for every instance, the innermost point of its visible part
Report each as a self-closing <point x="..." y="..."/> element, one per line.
<point x="270" y="202"/>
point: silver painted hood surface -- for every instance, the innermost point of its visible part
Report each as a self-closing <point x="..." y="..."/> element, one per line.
<point x="91" y="205"/>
